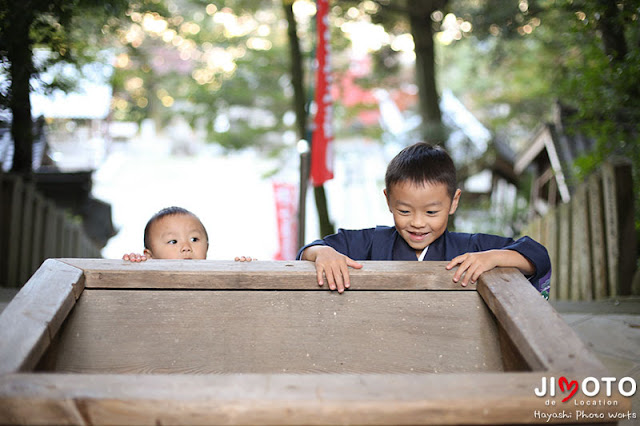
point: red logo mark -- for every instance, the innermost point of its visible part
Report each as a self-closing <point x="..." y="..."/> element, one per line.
<point x="571" y="386"/>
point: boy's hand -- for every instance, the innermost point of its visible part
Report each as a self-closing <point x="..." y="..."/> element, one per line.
<point x="134" y="257"/>
<point x="332" y="265"/>
<point x="472" y="265"/>
<point x="244" y="259"/>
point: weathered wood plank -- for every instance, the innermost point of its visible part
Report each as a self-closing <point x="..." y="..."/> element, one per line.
<point x="598" y="237"/>
<point x="564" y="251"/>
<point x="26" y="234"/>
<point x="4" y="205"/>
<point x="51" y="230"/>
<point x="15" y="226"/>
<point x="37" y="242"/>
<point x="253" y="331"/>
<point x="514" y="302"/>
<point x="488" y="398"/>
<point x="273" y="275"/>
<point x="620" y="227"/>
<point x="551" y="243"/>
<point x="35" y="314"/>
<point x="581" y="277"/>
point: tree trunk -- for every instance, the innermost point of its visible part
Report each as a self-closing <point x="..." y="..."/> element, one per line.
<point x="299" y="101"/>
<point x="19" y="53"/>
<point x="422" y="31"/>
<point x="297" y="73"/>
<point x="612" y="28"/>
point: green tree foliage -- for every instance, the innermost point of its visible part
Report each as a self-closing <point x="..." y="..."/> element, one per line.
<point x="415" y="18"/>
<point x="220" y="65"/>
<point x="583" y="53"/>
<point x="71" y="30"/>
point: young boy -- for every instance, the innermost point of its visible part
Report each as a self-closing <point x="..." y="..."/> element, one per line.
<point x="421" y="192"/>
<point x="174" y="233"/>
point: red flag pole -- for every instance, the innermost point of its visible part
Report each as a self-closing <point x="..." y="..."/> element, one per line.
<point x="322" y="138"/>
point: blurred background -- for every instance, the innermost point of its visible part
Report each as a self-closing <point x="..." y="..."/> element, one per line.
<point x="114" y="110"/>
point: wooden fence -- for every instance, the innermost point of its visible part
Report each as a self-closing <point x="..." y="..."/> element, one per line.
<point x="32" y="229"/>
<point x="592" y="240"/>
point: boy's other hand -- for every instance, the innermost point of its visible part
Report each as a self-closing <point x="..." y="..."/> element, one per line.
<point x="331" y="265"/>
<point x="244" y="259"/>
<point x="472" y="265"/>
<point x="134" y="257"/>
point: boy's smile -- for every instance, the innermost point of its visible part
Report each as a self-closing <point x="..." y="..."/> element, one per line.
<point x="420" y="212"/>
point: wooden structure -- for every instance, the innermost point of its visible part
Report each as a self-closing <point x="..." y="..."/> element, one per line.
<point x="550" y="155"/>
<point x="33" y="228"/>
<point x="210" y="342"/>
<point x="591" y="240"/>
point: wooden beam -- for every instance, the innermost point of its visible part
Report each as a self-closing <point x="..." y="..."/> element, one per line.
<point x="35" y="314"/>
<point x="491" y="398"/>
<point x="515" y="303"/>
<point x="598" y="236"/>
<point x="258" y="331"/>
<point x="260" y="275"/>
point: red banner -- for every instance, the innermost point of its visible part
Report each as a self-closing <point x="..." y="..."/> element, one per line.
<point x="322" y="139"/>
<point x="286" y="208"/>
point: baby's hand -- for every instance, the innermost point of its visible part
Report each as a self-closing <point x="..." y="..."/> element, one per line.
<point x="472" y="265"/>
<point x="244" y="259"/>
<point x="331" y="265"/>
<point x="134" y="257"/>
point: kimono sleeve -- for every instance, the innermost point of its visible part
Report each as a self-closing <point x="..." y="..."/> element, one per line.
<point x="355" y="244"/>
<point x="535" y="252"/>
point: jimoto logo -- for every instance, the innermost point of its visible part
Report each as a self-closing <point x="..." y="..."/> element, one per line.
<point x="590" y="387"/>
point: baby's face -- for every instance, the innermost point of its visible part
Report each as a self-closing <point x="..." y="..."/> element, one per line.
<point x="420" y="212"/>
<point x="177" y="236"/>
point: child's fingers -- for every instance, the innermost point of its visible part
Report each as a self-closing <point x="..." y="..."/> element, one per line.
<point x="319" y="274"/>
<point x="468" y="275"/>
<point x="353" y="263"/>
<point x="461" y="271"/>
<point x="344" y="279"/>
<point x="244" y="259"/>
<point x="455" y="261"/>
<point x="330" y="279"/>
<point x="133" y="257"/>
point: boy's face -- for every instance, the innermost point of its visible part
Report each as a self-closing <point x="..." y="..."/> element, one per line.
<point x="177" y="236"/>
<point x="420" y="213"/>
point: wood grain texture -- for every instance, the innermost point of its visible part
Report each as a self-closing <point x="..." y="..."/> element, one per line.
<point x="35" y="314"/>
<point x="598" y="237"/>
<point x="272" y="275"/>
<point x="487" y="398"/>
<point x="542" y="337"/>
<point x="253" y="331"/>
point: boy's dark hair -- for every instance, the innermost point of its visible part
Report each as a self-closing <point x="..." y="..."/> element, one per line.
<point x="422" y="163"/>
<point x="168" y="211"/>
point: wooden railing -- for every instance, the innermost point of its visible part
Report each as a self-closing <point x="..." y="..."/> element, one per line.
<point x="32" y="229"/>
<point x="591" y="240"/>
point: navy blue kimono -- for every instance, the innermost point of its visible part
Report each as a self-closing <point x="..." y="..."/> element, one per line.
<point x="385" y="243"/>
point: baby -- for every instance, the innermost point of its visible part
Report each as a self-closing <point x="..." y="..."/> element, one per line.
<point x="175" y="233"/>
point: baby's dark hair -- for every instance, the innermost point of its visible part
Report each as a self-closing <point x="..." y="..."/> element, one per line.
<point x="167" y="211"/>
<point x="422" y="163"/>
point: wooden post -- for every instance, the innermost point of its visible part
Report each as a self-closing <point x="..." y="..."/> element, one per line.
<point x="50" y="230"/>
<point x="598" y="236"/>
<point x="580" y="251"/>
<point x="26" y="237"/>
<point x="3" y="230"/>
<point x="15" y="225"/>
<point x="551" y="243"/>
<point x="617" y="188"/>
<point x="37" y="242"/>
<point x="564" y="251"/>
